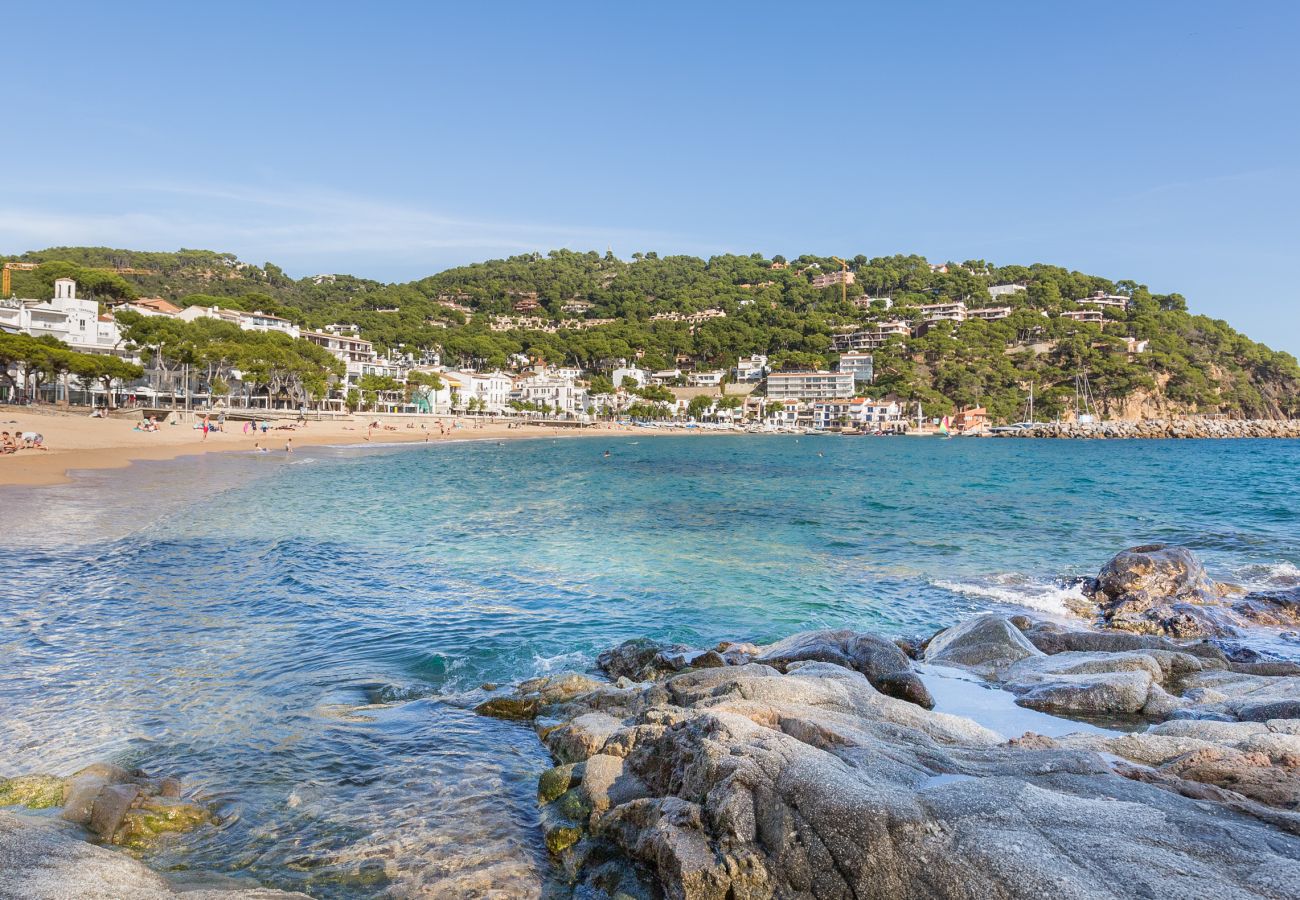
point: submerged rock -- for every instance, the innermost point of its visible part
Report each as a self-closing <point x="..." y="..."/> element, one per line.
<point x="116" y="805"/>
<point x="44" y="859"/>
<point x="32" y="791"/>
<point x="532" y="697"/>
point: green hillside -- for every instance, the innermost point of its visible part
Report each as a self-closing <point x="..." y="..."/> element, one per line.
<point x="1191" y="364"/>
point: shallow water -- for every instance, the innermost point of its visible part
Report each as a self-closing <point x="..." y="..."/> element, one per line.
<point x="303" y="638"/>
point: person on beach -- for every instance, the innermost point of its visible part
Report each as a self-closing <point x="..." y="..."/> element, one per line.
<point x="206" y="426"/>
<point x="7" y="443"/>
<point x="33" y="440"/>
<point x="288" y="446"/>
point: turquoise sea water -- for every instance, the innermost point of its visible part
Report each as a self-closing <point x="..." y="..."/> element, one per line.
<point x="303" y="638"/>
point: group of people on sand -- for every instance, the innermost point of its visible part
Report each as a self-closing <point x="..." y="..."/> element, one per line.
<point x="149" y="424"/>
<point x="21" y="440"/>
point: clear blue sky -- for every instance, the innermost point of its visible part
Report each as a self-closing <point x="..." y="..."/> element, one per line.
<point x="1156" y="141"/>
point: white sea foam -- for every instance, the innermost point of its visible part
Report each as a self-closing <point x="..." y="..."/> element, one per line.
<point x="1267" y="576"/>
<point x="574" y="660"/>
<point x="1016" y="590"/>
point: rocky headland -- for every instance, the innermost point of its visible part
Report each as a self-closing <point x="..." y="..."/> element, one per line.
<point x="1181" y="427"/>
<point x="821" y="766"/>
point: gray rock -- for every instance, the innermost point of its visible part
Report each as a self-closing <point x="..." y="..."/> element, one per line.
<point x="745" y="782"/>
<point x="1074" y="663"/>
<point x="1235" y="695"/>
<point x="885" y="665"/>
<point x="1159" y="589"/>
<point x="1052" y="638"/>
<point x="44" y="859"/>
<point x="1208" y="731"/>
<point x="110" y="807"/>
<point x="1107" y="693"/>
<point x="532" y="697"/>
<point x="581" y="736"/>
<point x="79" y="797"/>
<point x="1262" y="711"/>
<point x="984" y="644"/>
<point x="110" y="772"/>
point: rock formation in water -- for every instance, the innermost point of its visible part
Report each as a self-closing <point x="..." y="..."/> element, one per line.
<point x="801" y="778"/>
<point x="1165" y="590"/>
<point x="44" y="858"/>
<point x="49" y="859"/>
<point x="118" y="806"/>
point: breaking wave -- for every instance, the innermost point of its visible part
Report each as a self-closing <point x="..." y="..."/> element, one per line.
<point x="1055" y="598"/>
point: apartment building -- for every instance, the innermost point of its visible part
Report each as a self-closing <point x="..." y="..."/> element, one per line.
<point x="860" y="365"/>
<point x="809" y="385"/>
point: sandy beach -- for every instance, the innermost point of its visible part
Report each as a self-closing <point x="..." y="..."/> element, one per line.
<point x="76" y="441"/>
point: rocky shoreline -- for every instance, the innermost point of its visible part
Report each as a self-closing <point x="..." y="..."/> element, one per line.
<point x="823" y="766"/>
<point x="819" y="767"/>
<point x="1184" y="427"/>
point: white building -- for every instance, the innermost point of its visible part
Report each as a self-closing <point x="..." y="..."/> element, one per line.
<point x="640" y="376"/>
<point x="665" y="376"/>
<point x="865" y="302"/>
<point x="1103" y="300"/>
<point x="860" y="365"/>
<point x="809" y="385"/>
<point x="881" y="412"/>
<point x="491" y="390"/>
<point x="1092" y="316"/>
<point x="989" y="313"/>
<point x="943" y="312"/>
<point x="559" y="394"/>
<point x="1003" y="290"/>
<point x="751" y="369"/>
<point x="347" y="348"/>
<point x="74" y="320"/>
<point x="254" y="321"/>
<point x="856" y="412"/>
<point x="871" y="338"/>
<point x="705" y="379"/>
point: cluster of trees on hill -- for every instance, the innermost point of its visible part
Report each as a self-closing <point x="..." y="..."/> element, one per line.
<point x="1193" y="362"/>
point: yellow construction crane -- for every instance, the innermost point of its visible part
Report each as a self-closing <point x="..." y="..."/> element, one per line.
<point x="844" y="280"/>
<point x="6" y="280"/>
